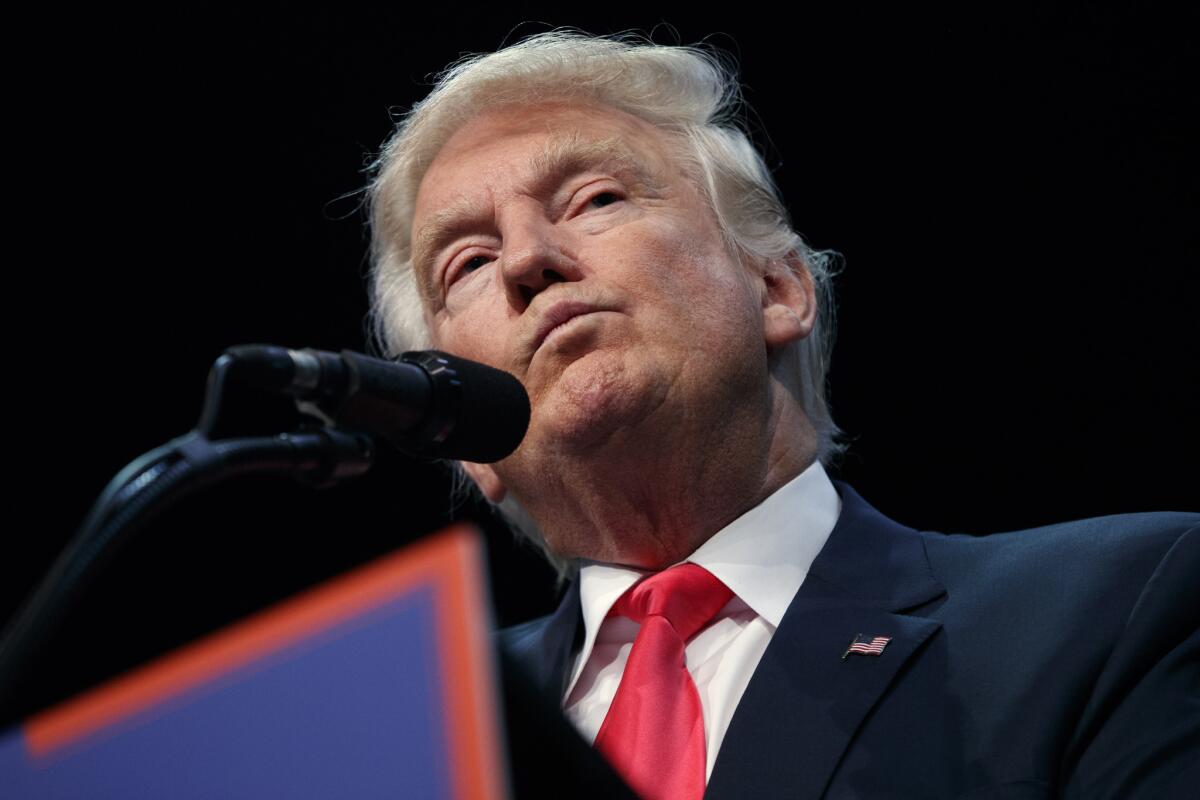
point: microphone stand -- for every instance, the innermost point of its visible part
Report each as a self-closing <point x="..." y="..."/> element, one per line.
<point x="318" y="456"/>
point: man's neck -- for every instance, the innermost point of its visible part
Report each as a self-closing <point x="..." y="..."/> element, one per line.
<point x="651" y="509"/>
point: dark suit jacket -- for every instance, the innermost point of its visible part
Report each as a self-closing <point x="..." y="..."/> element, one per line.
<point x="1058" y="661"/>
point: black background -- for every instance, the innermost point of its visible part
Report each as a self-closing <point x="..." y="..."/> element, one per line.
<point x="1017" y="314"/>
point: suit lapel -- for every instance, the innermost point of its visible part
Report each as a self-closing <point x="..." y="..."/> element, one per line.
<point x="805" y="703"/>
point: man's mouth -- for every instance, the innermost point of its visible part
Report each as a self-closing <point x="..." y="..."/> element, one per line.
<point x="559" y="315"/>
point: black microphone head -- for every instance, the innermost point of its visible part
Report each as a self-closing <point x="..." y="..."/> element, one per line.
<point x="480" y="413"/>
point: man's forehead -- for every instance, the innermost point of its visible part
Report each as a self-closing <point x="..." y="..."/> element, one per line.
<point x="554" y="156"/>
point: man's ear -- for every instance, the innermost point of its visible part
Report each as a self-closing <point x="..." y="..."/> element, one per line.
<point x="789" y="301"/>
<point x="487" y="480"/>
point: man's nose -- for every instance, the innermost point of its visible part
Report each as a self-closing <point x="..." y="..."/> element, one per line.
<point x="535" y="254"/>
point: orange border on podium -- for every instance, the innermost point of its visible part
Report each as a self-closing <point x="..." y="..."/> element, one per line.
<point x="450" y="561"/>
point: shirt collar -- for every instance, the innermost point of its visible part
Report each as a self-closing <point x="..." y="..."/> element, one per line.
<point x="763" y="555"/>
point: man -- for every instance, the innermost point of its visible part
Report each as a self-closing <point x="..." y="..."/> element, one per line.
<point x="581" y="213"/>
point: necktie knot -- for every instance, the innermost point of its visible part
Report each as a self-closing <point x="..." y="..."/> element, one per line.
<point x="688" y="596"/>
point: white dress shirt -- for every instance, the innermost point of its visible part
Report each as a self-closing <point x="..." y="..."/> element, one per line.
<point x="763" y="556"/>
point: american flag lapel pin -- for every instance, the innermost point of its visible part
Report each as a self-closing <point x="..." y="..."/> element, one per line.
<point x="866" y="645"/>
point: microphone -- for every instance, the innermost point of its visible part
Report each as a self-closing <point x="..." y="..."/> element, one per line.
<point x="429" y="404"/>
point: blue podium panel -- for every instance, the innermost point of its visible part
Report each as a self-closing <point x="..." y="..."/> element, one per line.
<point x="378" y="684"/>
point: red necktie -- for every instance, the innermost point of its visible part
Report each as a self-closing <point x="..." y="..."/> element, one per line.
<point x="654" y="731"/>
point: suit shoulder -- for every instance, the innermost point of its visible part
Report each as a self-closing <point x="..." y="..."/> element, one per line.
<point x="1063" y="643"/>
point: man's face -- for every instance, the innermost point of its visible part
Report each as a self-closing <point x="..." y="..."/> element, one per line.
<point x="564" y="244"/>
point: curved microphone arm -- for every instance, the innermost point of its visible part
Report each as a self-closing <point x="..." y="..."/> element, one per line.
<point x="143" y="490"/>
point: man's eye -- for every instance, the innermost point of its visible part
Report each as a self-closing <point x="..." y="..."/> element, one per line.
<point x="604" y="199"/>
<point x="474" y="263"/>
<point x="458" y="271"/>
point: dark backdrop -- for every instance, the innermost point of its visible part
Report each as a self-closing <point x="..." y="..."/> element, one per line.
<point x="1017" y="312"/>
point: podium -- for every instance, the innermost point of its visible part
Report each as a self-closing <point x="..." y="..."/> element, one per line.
<point x="381" y="683"/>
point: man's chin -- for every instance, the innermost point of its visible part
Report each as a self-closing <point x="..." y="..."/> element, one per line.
<point x="594" y="398"/>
